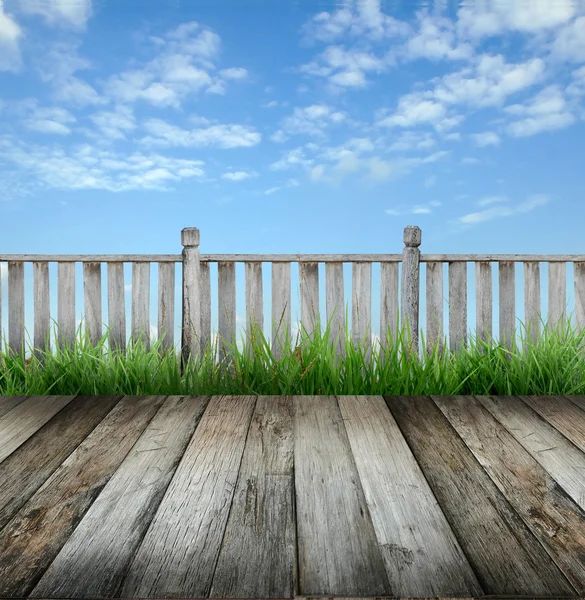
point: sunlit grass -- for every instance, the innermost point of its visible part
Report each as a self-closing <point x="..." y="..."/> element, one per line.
<point x="554" y="365"/>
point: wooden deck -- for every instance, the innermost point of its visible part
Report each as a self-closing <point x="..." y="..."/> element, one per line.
<point x="292" y="496"/>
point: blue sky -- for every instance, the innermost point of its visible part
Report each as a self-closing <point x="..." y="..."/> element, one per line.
<point x="311" y="127"/>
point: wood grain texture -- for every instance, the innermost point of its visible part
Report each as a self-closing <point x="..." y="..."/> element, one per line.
<point x="38" y="531"/>
<point x="338" y="550"/>
<point x="261" y="524"/>
<point x="504" y="554"/>
<point x="26" y="418"/>
<point x="552" y="516"/>
<point x="421" y="553"/>
<point x="117" y="521"/>
<point x="28" y="467"/>
<point x="7" y="403"/>
<point x="179" y="552"/>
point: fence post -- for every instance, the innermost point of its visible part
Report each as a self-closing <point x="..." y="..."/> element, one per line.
<point x="191" y="320"/>
<point x="411" y="285"/>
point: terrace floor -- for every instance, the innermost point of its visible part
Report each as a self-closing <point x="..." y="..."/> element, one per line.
<point x="292" y="496"/>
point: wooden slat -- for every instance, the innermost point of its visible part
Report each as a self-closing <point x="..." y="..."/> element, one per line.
<point x="409" y="301"/>
<point x="254" y="302"/>
<point x="26" y="418"/>
<point x="435" y="307"/>
<point x="457" y="306"/>
<point x="16" y="308"/>
<point x="205" y="287"/>
<point x="335" y="308"/>
<point x="7" y="403"/>
<point x="66" y="305"/>
<point x="579" y="275"/>
<point x="309" y="284"/>
<point x="557" y="294"/>
<point x="504" y="554"/>
<point x="28" y="467"/>
<point x="389" y="315"/>
<point x="507" y="277"/>
<point x="532" y="300"/>
<point x="226" y="292"/>
<point x="42" y="309"/>
<point x="280" y="307"/>
<point x="166" y="305"/>
<point x="42" y="526"/>
<point x="554" y="519"/>
<point x="177" y="557"/>
<point x="260" y="533"/>
<point x="361" y="307"/>
<point x="92" y="298"/>
<point x="141" y="303"/>
<point x="116" y="306"/>
<point x="422" y="555"/>
<point x="191" y="297"/>
<point x="338" y="553"/>
<point x="483" y="304"/>
<point x="563" y="414"/>
<point x="117" y="521"/>
<point x="564" y="462"/>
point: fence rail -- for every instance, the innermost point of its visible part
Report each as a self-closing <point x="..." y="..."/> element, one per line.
<point x="196" y="295"/>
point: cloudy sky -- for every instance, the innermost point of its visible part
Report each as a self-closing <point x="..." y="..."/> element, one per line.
<point x="287" y="127"/>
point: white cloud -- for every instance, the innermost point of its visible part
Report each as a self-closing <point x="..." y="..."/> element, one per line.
<point x="570" y="41"/>
<point x="577" y="86"/>
<point x="547" y="122"/>
<point x="236" y="73"/>
<point x="61" y="13"/>
<point x="220" y="136"/>
<point x="412" y="110"/>
<point x="503" y="211"/>
<point x="10" y="34"/>
<point x="310" y="120"/>
<point x="487" y="138"/>
<point x="51" y="120"/>
<point x="289" y="183"/>
<point x="239" y="175"/>
<point x="411" y="140"/>
<point x="114" y="125"/>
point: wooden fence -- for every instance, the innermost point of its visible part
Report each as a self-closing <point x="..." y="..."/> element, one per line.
<point x="196" y="301"/>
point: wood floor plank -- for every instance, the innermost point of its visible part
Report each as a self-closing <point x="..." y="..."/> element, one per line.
<point x="421" y="552"/>
<point x="338" y="551"/>
<point x="563" y="461"/>
<point x="179" y="552"/>
<point x="26" y="418"/>
<point x="505" y="555"/>
<point x="578" y="401"/>
<point x="563" y="414"/>
<point x="93" y="562"/>
<point x="36" y="534"/>
<point x="28" y="467"/>
<point x="553" y="517"/>
<point x="261" y="524"/>
<point x="7" y="403"/>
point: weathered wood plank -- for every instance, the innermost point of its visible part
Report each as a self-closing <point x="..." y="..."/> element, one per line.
<point x="254" y="303"/>
<point x="66" y="304"/>
<point x="116" y="522"/>
<point x="504" y="554"/>
<point x="563" y="414"/>
<point x="532" y="300"/>
<point x="26" y="418"/>
<point x="564" y="462"/>
<point x="42" y="309"/>
<point x="338" y="553"/>
<point x="166" y="305"/>
<point x="141" y="303"/>
<point x="435" y="308"/>
<point x="226" y="311"/>
<point x="7" y="403"/>
<point x="191" y="298"/>
<point x="205" y="287"/>
<point x="28" y="467"/>
<point x="116" y="306"/>
<point x="38" y="531"/>
<point x="422" y="555"/>
<point x="361" y="307"/>
<point x="92" y="298"/>
<point x="552" y="516"/>
<point x="389" y="315"/>
<point x="260" y="533"/>
<point x="16" y="308"/>
<point x="579" y="276"/>
<point x="178" y="555"/>
<point x="557" y="294"/>
<point x="483" y="304"/>
<point x="507" y="293"/>
<point x="280" y="307"/>
<point x="335" y="308"/>
<point x="410" y="287"/>
<point x="457" y="307"/>
<point x="309" y="287"/>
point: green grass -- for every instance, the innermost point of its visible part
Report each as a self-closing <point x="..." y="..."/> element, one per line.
<point x="553" y="366"/>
